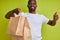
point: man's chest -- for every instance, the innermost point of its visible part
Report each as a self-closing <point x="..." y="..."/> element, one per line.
<point x="34" y="20"/>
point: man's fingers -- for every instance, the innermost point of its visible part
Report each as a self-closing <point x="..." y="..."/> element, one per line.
<point x="55" y="13"/>
<point x="18" y="8"/>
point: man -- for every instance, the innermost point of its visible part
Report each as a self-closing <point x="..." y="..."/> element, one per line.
<point x="35" y="20"/>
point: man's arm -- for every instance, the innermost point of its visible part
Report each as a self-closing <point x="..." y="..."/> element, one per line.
<point x="53" y="22"/>
<point x="11" y="13"/>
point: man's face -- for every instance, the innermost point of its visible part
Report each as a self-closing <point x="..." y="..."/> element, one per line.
<point x="32" y="5"/>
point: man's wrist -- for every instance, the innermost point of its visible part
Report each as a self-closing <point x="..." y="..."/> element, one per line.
<point x="54" y="20"/>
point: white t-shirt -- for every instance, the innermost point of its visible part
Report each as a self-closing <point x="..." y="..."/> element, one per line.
<point x="35" y="23"/>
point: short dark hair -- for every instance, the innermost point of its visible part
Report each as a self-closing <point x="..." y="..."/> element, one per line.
<point x="30" y="1"/>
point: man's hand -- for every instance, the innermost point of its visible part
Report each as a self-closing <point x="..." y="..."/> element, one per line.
<point x="55" y="16"/>
<point x="17" y="10"/>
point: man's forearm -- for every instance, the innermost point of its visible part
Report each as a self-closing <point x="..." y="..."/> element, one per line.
<point x="9" y="14"/>
<point x="52" y="22"/>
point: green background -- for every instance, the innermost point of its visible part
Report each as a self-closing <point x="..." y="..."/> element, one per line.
<point x="45" y="7"/>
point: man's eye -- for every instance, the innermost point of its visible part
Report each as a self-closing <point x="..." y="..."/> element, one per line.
<point x="34" y="3"/>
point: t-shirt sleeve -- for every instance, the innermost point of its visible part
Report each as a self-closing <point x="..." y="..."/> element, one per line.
<point x="45" y="19"/>
<point x="20" y="14"/>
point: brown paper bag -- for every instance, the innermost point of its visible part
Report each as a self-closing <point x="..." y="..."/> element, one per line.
<point x="27" y="32"/>
<point x="19" y="26"/>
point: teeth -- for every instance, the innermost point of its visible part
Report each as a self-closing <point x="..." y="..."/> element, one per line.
<point x="33" y="7"/>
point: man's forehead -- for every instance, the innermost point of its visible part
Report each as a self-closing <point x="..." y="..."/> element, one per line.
<point x="32" y="0"/>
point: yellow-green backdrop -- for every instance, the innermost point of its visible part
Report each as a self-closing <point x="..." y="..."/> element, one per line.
<point x="45" y="7"/>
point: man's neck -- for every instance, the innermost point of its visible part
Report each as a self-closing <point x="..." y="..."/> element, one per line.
<point x="33" y="12"/>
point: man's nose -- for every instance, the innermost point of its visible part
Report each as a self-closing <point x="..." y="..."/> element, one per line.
<point x="32" y="5"/>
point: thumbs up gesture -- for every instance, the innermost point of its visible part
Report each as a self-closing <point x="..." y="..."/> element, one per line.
<point x="55" y="16"/>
